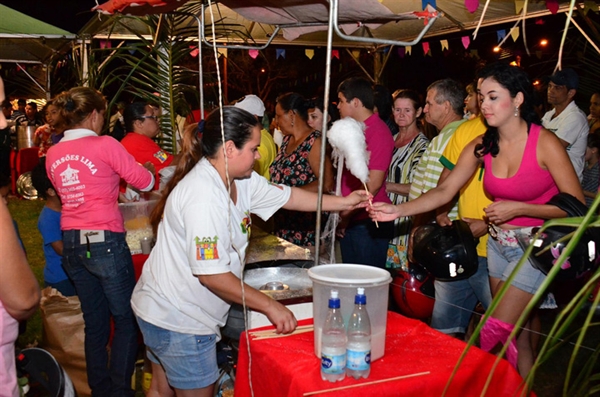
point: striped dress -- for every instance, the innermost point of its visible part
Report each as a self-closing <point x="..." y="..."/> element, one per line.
<point x="404" y="162"/>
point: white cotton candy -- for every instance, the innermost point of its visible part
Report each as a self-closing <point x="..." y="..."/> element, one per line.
<point x="347" y="136"/>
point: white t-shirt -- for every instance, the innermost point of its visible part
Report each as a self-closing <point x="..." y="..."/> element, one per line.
<point x="195" y="238"/>
<point x="571" y="126"/>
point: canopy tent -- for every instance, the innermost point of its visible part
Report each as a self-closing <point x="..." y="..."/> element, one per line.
<point x="28" y="40"/>
<point x="257" y="20"/>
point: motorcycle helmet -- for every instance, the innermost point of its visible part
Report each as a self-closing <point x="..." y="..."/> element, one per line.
<point x="549" y="244"/>
<point x="413" y="291"/>
<point x="449" y="253"/>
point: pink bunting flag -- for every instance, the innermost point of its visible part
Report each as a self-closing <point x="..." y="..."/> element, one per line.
<point x="105" y="44"/>
<point x="194" y="51"/>
<point x="465" y="41"/>
<point x="335" y="54"/>
<point x="253" y="53"/>
<point x="552" y="5"/>
<point x="472" y="5"/>
<point x="539" y="21"/>
<point x="425" y="48"/>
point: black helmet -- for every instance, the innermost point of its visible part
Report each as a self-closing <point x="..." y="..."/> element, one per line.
<point x="414" y="292"/>
<point x="449" y="253"/>
<point x="582" y="259"/>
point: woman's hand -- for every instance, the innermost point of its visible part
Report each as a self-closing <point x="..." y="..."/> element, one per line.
<point x="501" y="212"/>
<point x="383" y="212"/>
<point x="358" y="199"/>
<point x="150" y="167"/>
<point x="281" y="317"/>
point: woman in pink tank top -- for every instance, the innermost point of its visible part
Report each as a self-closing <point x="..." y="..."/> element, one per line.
<point x="525" y="166"/>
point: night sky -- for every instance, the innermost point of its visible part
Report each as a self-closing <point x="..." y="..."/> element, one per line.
<point x="70" y="15"/>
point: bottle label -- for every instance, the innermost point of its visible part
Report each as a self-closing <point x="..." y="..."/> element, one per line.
<point x="333" y="363"/>
<point x="358" y="360"/>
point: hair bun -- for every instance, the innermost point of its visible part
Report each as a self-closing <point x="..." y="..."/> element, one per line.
<point x="70" y="105"/>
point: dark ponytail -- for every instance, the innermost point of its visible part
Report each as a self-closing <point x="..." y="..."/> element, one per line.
<point x="205" y="142"/>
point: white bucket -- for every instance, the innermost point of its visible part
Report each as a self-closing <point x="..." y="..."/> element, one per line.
<point x="346" y="278"/>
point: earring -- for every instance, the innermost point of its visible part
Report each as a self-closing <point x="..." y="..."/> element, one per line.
<point x="516" y="111"/>
<point x="292" y="123"/>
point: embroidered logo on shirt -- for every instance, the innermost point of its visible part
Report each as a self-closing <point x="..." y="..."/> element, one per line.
<point x="246" y="223"/>
<point x="206" y="248"/>
<point x="161" y="156"/>
<point x="69" y="176"/>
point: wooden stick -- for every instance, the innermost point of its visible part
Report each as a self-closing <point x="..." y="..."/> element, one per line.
<point x="301" y="331"/>
<point x="272" y="331"/>
<point x="370" y="202"/>
<point x="367" y="383"/>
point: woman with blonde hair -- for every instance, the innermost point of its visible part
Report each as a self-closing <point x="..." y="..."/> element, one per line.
<point x="85" y="169"/>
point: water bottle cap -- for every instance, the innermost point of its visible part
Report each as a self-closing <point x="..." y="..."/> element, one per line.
<point x="360" y="297"/>
<point x="334" y="294"/>
<point x="360" y="291"/>
<point x="334" y="301"/>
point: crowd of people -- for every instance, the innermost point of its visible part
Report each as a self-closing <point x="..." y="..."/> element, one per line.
<point x="494" y="164"/>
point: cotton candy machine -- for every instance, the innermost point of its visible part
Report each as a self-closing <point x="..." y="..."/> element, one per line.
<point x="289" y="284"/>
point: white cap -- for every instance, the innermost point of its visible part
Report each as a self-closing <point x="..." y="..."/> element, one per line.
<point x="252" y="104"/>
<point x="360" y="291"/>
<point x="334" y="294"/>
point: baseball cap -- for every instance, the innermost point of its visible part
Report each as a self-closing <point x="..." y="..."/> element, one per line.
<point x="251" y="104"/>
<point x="567" y="77"/>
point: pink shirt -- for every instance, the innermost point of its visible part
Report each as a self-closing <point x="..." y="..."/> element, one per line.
<point x="380" y="145"/>
<point x="9" y="330"/>
<point x="85" y="169"/>
<point x="531" y="184"/>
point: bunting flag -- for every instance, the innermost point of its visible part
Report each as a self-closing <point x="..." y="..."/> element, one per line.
<point x="519" y="4"/>
<point x="309" y="53"/>
<point x="465" y="41"/>
<point x="335" y="54"/>
<point x="355" y="54"/>
<point x="500" y="35"/>
<point x="589" y="6"/>
<point x="444" y="44"/>
<point x="426" y="48"/>
<point x="401" y="52"/>
<point x="472" y="5"/>
<point x="539" y="21"/>
<point x="105" y="44"/>
<point x="194" y="51"/>
<point x="279" y="52"/>
<point x="475" y="53"/>
<point x="222" y="51"/>
<point x="408" y="50"/>
<point x="552" y="5"/>
<point x="253" y="53"/>
<point x="514" y="33"/>
<point x="425" y="2"/>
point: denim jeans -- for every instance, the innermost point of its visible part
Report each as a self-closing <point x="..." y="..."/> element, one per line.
<point x="366" y="244"/>
<point x="455" y="300"/>
<point x="104" y="281"/>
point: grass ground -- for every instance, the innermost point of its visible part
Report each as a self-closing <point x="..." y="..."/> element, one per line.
<point x="548" y="383"/>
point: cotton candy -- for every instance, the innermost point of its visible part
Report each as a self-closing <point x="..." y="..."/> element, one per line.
<point x="347" y="136"/>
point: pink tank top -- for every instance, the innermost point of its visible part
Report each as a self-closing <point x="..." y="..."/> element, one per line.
<point x="531" y="184"/>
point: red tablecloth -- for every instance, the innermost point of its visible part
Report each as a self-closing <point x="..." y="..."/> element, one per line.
<point x="288" y="366"/>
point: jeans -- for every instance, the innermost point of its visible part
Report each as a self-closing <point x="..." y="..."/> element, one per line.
<point x="455" y="300"/>
<point x="366" y="244"/>
<point x="104" y="281"/>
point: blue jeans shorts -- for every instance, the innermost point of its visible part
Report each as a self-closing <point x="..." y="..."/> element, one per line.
<point x="503" y="258"/>
<point x="189" y="361"/>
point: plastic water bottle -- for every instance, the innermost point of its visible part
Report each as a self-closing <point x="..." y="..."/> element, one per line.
<point x="333" y="342"/>
<point x="358" y="348"/>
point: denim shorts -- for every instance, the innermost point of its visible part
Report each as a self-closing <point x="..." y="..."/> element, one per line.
<point x="503" y="259"/>
<point x="189" y="361"/>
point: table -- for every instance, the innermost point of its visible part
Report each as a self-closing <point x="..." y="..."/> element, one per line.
<point x="288" y="366"/>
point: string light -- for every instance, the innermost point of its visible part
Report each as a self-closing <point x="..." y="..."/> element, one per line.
<point x="497" y="49"/>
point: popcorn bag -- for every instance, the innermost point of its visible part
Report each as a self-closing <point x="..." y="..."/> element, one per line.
<point x="63" y="335"/>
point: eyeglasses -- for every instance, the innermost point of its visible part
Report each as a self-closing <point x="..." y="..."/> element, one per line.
<point x="149" y="117"/>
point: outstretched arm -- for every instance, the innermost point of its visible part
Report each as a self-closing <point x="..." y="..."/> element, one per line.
<point x="19" y="290"/>
<point x="442" y="194"/>
<point x="228" y="287"/>
<point x="303" y="200"/>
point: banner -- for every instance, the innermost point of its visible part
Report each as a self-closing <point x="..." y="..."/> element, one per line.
<point x="309" y="53"/>
<point x="253" y="53"/>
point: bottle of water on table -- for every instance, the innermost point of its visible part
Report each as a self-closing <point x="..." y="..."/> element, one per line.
<point x="333" y="342"/>
<point x="358" y="348"/>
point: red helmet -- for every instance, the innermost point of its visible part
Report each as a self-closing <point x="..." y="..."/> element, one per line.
<point x="414" y="292"/>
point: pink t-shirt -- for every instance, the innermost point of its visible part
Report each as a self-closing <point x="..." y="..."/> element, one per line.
<point x="380" y="145"/>
<point x="9" y="330"/>
<point x="85" y="169"/>
<point x="531" y="184"/>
